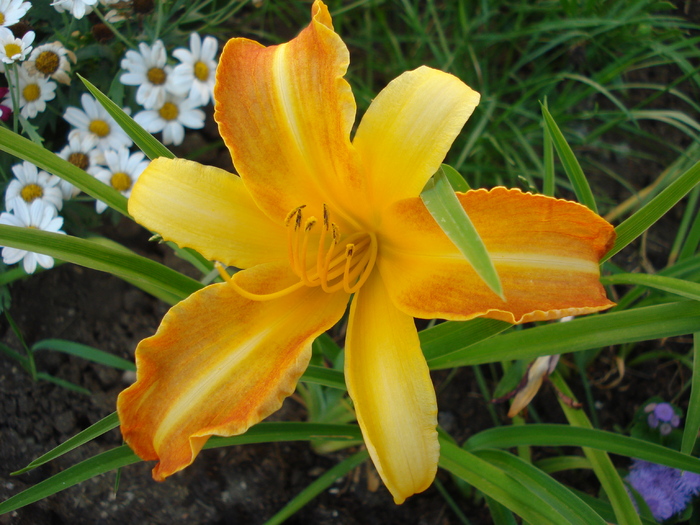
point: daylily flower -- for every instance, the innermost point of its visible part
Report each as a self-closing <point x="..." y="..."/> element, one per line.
<point x="315" y="218"/>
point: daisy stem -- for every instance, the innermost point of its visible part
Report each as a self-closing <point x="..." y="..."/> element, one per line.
<point x="117" y="33"/>
<point x="13" y="87"/>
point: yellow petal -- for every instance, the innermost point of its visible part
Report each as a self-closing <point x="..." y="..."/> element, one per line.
<point x="389" y="383"/>
<point x="219" y="364"/>
<point x="285" y="112"/>
<point x="545" y="250"/>
<point x="207" y="209"/>
<point x="408" y="129"/>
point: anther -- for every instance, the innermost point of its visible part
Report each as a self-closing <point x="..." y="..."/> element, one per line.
<point x="295" y="212"/>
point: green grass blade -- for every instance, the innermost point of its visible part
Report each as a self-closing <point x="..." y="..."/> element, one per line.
<point x="43" y="376"/>
<point x="103" y="426"/>
<point x="98" y="257"/>
<point x="549" y="177"/>
<point x="122" y="456"/>
<point x="680" y="287"/>
<point x="568" y="159"/>
<point x="151" y="146"/>
<point x="25" y="149"/>
<point x="450" y="336"/>
<point x="603" y="467"/>
<point x="498" y="485"/>
<point x="324" y="376"/>
<point x="104" y="462"/>
<point x="550" y="491"/>
<point x="638" y="223"/>
<point x="557" y="435"/>
<point x="443" y="204"/>
<point x="317" y="486"/>
<point x="629" y="326"/>
<point x="692" y="422"/>
<point x="85" y="352"/>
<point x="560" y="463"/>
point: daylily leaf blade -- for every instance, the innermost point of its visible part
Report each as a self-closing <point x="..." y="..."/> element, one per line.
<point x="639" y="324"/>
<point x="44" y="159"/>
<point x="568" y="159"/>
<point x="680" y="287"/>
<point x="90" y="254"/>
<point x="84" y="352"/>
<point x="151" y="146"/>
<point x="638" y="223"/>
<point x="692" y="422"/>
<point x="444" y="206"/>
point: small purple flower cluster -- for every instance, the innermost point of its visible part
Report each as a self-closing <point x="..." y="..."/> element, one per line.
<point x="667" y="491"/>
<point x="663" y="417"/>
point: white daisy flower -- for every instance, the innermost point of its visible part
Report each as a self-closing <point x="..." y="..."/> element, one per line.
<point x="14" y="49"/>
<point x="30" y="185"/>
<point x="123" y="169"/>
<point x="146" y="69"/>
<point x="197" y="68"/>
<point x="34" y="92"/>
<point x="12" y="10"/>
<point x="37" y="215"/>
<point x="93" y="120"/>
<point x="78" y="8"/>
<point x="83" y="153"/>
<point x="176" y="114"/>
<point x="51" y="60"/>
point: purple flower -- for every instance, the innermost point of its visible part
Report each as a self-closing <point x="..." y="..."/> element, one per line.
<point x="662" y="416"/>
<point x="666" y="491"/>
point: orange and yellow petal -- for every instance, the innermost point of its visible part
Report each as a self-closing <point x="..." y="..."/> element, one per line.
<point x="545" y="250"/>
<point x="207" y="209"/>
<point x="285" y="112"/>
<point x="220" y="363"/>
<point x="389" y="383"/>
<point x="408" y="129"/>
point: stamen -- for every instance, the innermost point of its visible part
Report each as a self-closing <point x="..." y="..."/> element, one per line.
<point x="253" y="296"/>
<point x="310" y="222"/>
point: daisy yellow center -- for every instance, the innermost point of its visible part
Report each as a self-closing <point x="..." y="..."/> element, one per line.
<point x="169" y="111"/>
<point x="156" y="76"/>
<point x="47" y="62"/>
<point x="12" y="49"/>
<point x="31" y="192"/>
<point x="2" y="19"/>
<point x="120" y="181"/>
<point x="31" y="92"/>
<point x="201" y="71"/>
<point x="79" y="159"/>
<point x="99" y="127"/>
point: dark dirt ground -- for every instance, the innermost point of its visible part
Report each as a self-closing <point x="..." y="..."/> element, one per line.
<point x="245" y="485"/>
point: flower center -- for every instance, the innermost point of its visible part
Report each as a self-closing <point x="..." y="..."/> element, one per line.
<point x="201" y="71"/>
<point x="31" y="92"/>
<point x="2" y="19"/>
<point x="156" y="76"/>
<point x="47" y="62"/>
<point x="169" y="111"/>
<point x="79" y="159"/>
<point x="99" y="128"/>
<point x="12" y="49"/>
<point x="31" y="192"/>
<point x="120" y="181"/>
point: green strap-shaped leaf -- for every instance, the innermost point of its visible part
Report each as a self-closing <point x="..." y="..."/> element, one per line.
<point x="85" y="352"/>
<point x="123" y="455"/>
<point x="568" y="159"/>
<point x="629" y="326"/>
<point x="317" y="486"/>
<point x="442" y="203"/>
<point x="692" y="422"/>
<point x="498" y="485"/>
<point x="557" y="435"/>
<point x="93" y="255"/>
<point x="451" y="336"/>
<point x="680" y="287"/>
<point x="151" y="146"/>
<point x="553" y="493"/>
<point x="638" y="223"/>
<point x="25" y="149"/>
